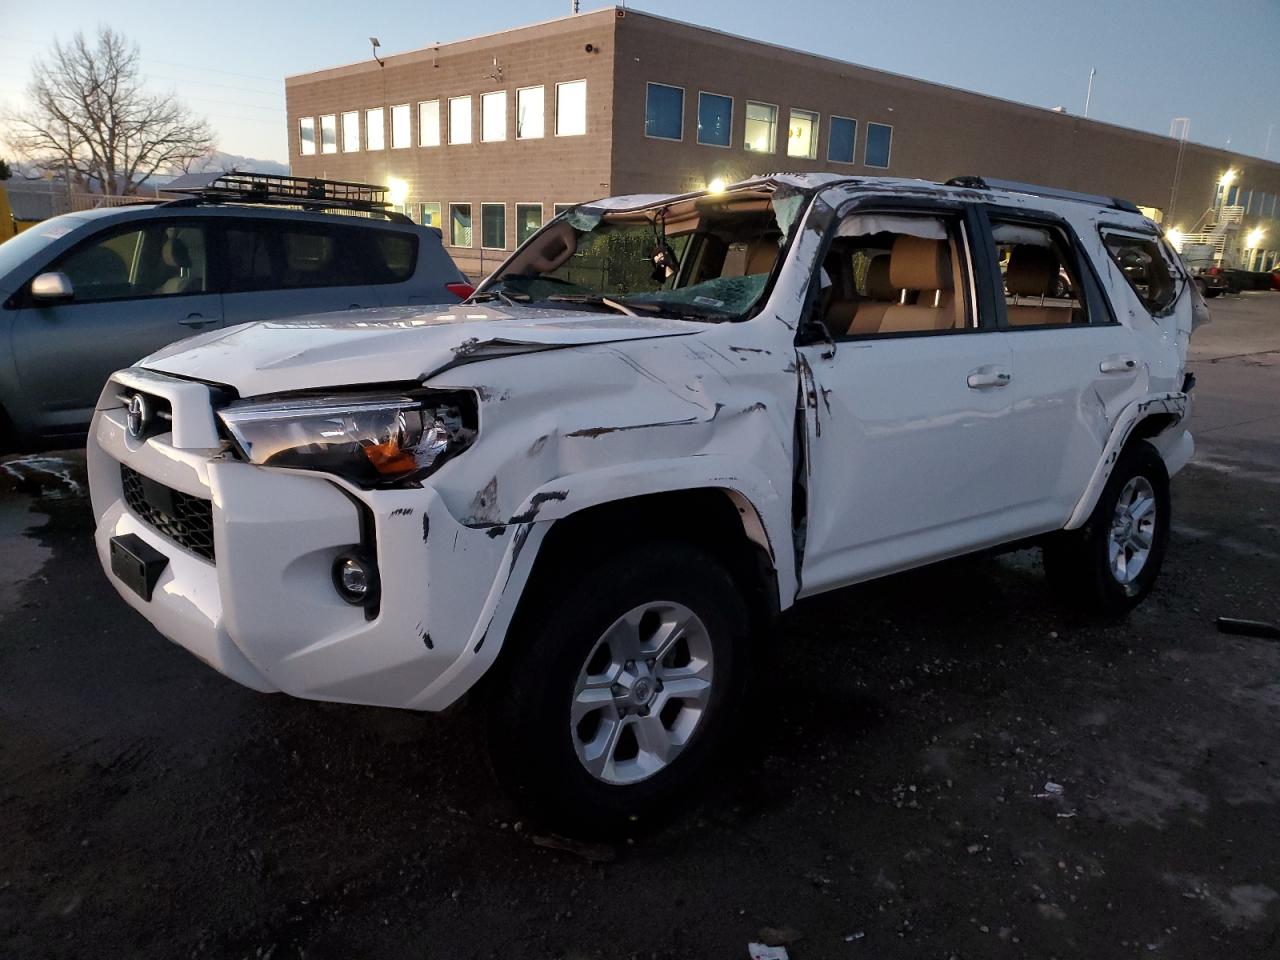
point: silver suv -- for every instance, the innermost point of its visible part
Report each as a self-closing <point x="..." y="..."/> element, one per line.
<point x="85" y="294"/>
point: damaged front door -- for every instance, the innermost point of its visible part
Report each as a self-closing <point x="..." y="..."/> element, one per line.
<point x="907" y="417"/>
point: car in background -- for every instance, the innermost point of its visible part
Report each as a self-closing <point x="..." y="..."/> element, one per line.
<point x="83" y="294"/>
<point x="1275" y="277"/>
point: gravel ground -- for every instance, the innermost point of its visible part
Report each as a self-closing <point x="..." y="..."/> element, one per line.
<point x="942" y="764"/>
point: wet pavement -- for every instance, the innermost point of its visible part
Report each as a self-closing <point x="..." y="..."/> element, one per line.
<point x="942" y="764"/>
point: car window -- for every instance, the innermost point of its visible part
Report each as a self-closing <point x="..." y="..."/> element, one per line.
<point x="1043" y="285"/>
<point x="153" y="260"/>
<point x="285" y="256"/>
<point x="891" y="273"/>
<point x="1146" y="267"/>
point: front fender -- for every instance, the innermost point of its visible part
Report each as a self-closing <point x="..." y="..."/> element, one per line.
<point x="1171" y="404"/>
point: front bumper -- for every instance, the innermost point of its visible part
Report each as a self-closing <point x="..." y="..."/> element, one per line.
<point x="265" y="613"/>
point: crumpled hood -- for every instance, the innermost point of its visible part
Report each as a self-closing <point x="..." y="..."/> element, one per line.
<point x="388" y="344"/>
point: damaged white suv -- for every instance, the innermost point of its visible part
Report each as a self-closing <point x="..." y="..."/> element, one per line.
<point x="660" y="422"/>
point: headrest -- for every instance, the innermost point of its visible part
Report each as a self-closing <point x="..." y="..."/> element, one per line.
<point x="1030" y="270"/>
<point x="761" y="256"/>
<point x="879" y="286"/>
<point x="175" y="254"/>
<point x="919" y="264"/>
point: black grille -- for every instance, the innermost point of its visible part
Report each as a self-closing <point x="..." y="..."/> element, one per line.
<point x="184" y="519"/>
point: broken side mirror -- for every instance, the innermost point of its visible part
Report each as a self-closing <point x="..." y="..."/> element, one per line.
<point x="51" y="288"/>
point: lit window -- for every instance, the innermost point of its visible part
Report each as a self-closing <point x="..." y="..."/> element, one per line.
<point x="429" y="124"/>
<point x="715" y="119"/>
<point x="761" y="127"/>
<point x="351" y="131"/>
<point x="493" y="116"/>
<point x="802" y="135"/>
<point x="529" y="113"/>
<point x="375" y="129"/>
<point x="429" y="214"/>
<point x="307" y="136"/>
<point x="844" y="133"/>
<point x="493" y="226"/>
<point x="329" y="133"/>
<point x="400" y="126"/>
<point x="460" y="224"/>
<point x="879" y="144"/>
<point x="571" y="108"/>
<point x="664" y="112"/>
<point x="460" y="124"/>
<point x="528" y="220"/>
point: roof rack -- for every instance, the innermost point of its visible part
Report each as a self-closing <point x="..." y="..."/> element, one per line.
<point x="1013" y="186"/>
<point x="308" y="193"/>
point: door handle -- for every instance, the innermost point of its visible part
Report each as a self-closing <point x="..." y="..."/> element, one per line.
<point x="1118" y="365"/>
<point x="989" y="377"/>
<point x="195" y="320"/>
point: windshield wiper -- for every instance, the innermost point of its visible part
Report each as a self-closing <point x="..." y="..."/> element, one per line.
<point x="594" y="300"/>
<point x="508" y="298"/>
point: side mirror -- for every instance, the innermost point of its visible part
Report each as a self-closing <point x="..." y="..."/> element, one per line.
<point x="51" y="287"/>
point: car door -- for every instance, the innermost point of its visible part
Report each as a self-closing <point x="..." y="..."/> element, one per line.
<point x="907" y="410"/>
<point x="136" y="287"/>
<point x="1074" y="367"/>
<point x="278" y="267"/>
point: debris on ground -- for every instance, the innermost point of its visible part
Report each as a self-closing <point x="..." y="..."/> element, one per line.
<point x="779" y="936"/>
<point x="595" y="852"/>
<point x="1248" y="628"/>
<point x="760" y="951"/>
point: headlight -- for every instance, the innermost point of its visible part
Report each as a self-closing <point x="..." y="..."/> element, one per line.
<point x="370" y="439"/>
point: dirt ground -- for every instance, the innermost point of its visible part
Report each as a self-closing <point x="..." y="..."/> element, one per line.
<point x="944" y="765"/>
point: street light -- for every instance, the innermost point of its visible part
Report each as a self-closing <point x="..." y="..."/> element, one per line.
<point x="1253" y="239"/>
<point x="397" y="191"/>
<point x="1174" y="236"/>
<point x="1228" y="178"/>
<point x="716" y="185"/>
<point x="374" y="42"/>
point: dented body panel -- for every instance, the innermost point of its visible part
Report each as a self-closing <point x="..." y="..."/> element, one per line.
<point x="845" y="460"/>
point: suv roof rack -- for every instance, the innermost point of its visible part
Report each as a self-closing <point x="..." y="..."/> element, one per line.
<point x="232" y="186"/>
<point x="1013" y="186"/>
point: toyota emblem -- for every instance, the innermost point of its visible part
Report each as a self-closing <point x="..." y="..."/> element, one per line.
<point x="139" y="416"/>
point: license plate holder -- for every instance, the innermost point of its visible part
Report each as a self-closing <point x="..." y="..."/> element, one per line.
<point x="137" y="564"/>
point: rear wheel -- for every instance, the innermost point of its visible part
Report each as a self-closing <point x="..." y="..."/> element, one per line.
<point x="622" y="689"/>
<point x="1111" y="563"/>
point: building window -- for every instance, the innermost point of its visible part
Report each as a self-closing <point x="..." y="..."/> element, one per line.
<point x="802" y="135"/>
<point x="528" y="220"/>
<point x="400" y="126"/>
<point x="844" y="133"/>
<point x="460" y="224"/>
<point x="560" y="208"/>
<point x="879" y="145"/>
<point x="761" y="128"/>
<point x="429" y="214"/>
<point x="351" y="131"/>
<point x="571" y="108"/>
<point x="493" y="116"/>
<point x="664" y="112"/>
<point x="375" y="132"/>
<point x="460" y="121"/>
<point x="429" y="123"/>
<point x="493" y="226"/>
<point x="529" y="113"/>
<point x="715" y="119"/>
<point x="329" y="133"/>
<point x="307" y="136"/>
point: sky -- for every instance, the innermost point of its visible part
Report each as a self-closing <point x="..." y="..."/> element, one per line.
<point x="1215" y="61"/>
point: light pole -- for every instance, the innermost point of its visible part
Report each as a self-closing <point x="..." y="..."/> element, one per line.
<point x="1089" y="93"/>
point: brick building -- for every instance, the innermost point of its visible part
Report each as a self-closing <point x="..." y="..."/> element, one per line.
<point x="488" y="137"/>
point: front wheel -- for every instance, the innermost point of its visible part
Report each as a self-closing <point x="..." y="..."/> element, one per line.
<point x="623" y="687"/>
<point x="1111" y="563"/>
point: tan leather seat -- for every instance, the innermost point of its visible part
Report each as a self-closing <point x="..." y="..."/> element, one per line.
<point x="177" y="258"/>
<point x="1030" y="272"/>
<point x="748" y="259"/>
<point x="923" y="267"/>
<point x="870" y="313"/>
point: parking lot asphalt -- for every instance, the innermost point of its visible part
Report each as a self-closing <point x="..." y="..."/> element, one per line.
<point x="943" y="764"/>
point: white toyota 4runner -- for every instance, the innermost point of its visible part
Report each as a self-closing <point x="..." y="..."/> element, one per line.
<point x="659" y="423"/>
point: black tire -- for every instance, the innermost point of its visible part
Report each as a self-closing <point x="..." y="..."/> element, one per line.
<point x="1078" y="562"/>
<point x="530" y="736"/>
<point x="1212" y="292"/>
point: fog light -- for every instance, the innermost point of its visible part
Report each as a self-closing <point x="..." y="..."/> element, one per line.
<point x="355" y="579"/>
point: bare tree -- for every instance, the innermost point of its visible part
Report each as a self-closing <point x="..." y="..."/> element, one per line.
<point x="91" y="120"/>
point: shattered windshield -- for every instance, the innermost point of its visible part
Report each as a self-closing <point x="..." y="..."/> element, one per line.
<point x="709" y="258"/>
